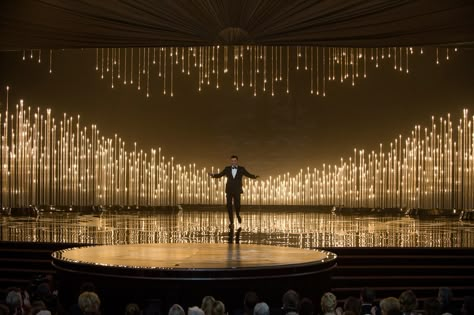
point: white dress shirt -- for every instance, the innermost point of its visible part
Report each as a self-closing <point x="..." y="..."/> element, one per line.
<point x="234" y="171"/>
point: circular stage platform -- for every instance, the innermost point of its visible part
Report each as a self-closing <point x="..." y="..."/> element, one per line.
<point x="185" y="272"/>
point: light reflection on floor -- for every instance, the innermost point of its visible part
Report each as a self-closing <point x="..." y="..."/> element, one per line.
<point x="295" y="229"/>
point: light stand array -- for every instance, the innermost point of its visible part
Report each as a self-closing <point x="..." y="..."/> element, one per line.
<point x="48" y="161"/>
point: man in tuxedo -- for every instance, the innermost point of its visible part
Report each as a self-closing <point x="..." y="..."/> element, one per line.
<point x="233" y="187"/>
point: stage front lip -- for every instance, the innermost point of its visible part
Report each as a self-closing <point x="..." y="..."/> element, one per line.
<point x="194" y="261"/>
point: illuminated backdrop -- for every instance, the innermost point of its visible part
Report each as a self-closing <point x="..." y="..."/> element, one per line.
<point x="51" y="161"/>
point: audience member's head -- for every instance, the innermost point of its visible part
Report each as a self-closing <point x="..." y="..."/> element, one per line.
<point x="468" y="306"/>
<point x="306" y="307"/>
<point x="176" y="309"/>
<point x="367" y="295"/>
<point x="43" y="290"/>
<point x="351" y="304"/>
<point x="432" y="307"/>
<point x="44" y="293"/>
<point x="89" y="303"/>
<point x="261" y="309"/>
<point x="250" y="300"/>
<point x="14" y="301"/>
<point x="218" y="308"/>
<point x="390" y="306"/>
<point x="444" y="296"/>
<point x="207" y="303"/>
<point x="328" y="303"/>
<point x="407" y="301"/>
<point x="195" y="310"/>
<point x="51" y="281"/>
<point x="37" y="306"/>
<point x="132" y="309"/>
<point x="290" y="301"/>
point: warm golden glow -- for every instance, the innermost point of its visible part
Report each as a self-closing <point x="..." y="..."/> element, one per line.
<point x="302" y="229"/>
<point x="49" y="162"/>
<point x="259" y="67"/>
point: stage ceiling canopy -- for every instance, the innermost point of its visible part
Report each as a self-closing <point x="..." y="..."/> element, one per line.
<point x="56" y="24"/>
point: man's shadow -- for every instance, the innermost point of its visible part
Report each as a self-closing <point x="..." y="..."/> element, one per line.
<point x="234" y="235"/>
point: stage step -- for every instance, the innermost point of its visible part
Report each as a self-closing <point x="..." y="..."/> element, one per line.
<point x="22" y="262"/>
<point x="369" y="252"/>
<point x="25" y="274"/>
<point x="25" y="263"/>
<point x="26" y="253"/>
<point x="417" y="259"/>
<point x="390" y="271"/>
<point x="13" y="282"/>
<point x="404" y="270"/>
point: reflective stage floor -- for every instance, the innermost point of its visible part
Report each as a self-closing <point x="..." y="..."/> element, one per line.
<point x="293" y="228"/>
<point x="133" y="255"/>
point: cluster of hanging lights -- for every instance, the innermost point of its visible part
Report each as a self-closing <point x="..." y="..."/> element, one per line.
<point x="260" y="69"/>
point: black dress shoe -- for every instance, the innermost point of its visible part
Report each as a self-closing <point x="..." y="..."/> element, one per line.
<point x="239" y="219"/>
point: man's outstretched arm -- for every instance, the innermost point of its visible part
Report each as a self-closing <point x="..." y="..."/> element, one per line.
<point x="246" y="173"/>
<point x="218" y="175"/>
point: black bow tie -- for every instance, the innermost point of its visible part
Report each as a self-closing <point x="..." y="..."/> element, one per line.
<point x="234" y="167"/>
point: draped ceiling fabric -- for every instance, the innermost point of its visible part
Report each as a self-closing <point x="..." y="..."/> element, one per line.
<point x="54" y="24"/>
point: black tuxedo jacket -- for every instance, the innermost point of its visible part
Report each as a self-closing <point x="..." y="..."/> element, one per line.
<point x="234" y="185"/>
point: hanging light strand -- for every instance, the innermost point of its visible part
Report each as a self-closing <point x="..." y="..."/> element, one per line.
<point x="256" y="63"/>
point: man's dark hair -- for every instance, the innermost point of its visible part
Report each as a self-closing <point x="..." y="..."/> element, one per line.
<point x="432" y="307"/>
<point x="408" y="301"/>
<point x="250" y="300"/>
<point x="290" y="301"/>
<point x="306" y="307"/>
<point x="367" y="295"/>
<point x="234" y="157"/>
<point x="352" y="304"/>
